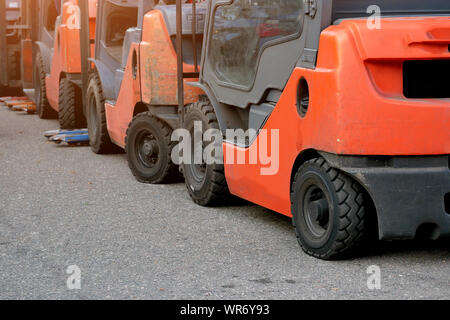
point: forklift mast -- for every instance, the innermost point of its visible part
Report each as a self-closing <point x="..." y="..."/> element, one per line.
<point x="15" y="26"/>
<point x="181" y="75"/>
<point x="85" y="45"/>
<point x="9" y="41"/>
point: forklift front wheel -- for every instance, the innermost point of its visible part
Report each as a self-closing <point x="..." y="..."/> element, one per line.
<point x="149" y="148"/>
<point x="70" y="114"/>
<point x="96" y="118"/>
<point x="43" y="108"/>
<point x="206" y="183"/>
<point x="328" y="210"/>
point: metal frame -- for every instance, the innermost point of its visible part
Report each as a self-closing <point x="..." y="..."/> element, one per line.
<point x="181" y="75"/>
<point x="85" y="45"/>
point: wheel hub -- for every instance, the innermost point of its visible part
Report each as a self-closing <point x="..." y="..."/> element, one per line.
<point x="149" y="147"/>
<point x="317" y="211"/>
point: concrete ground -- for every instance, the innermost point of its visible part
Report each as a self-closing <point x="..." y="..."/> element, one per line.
<point x="63" y="206"/>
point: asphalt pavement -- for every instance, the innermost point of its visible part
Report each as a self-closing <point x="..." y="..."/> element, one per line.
<point x="65" y="206"/>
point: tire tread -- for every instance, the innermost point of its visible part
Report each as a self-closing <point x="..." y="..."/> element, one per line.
<point x="218" y="192"/>
<point x="69" y="117"/>
<point x="351" y="209"/>
<point x="45" y="111"/>
<point x="105" y="144"/>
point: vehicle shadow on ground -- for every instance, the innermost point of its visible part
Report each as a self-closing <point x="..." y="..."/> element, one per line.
<point x="22" y="113"/>
<point x="371" y="249"/>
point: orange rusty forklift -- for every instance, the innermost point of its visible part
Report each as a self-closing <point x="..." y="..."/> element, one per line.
<point x="131" y="94"/>
<point x="358" y="108"/>
<point x="10" y="30"/>
<point x="57" y="64"/>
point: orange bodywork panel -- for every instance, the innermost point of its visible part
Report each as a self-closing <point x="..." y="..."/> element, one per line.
<point x="357" y="106"/>
<point x="66" y="50"/>
<point x="118" y="116"/>
<point x="156" y="79"/>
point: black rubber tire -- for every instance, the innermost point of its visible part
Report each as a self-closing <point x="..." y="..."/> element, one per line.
<point x="43" y="108"/>
<point x="346" y="212"/>
<point x="96" y="118"/>
<point x="70" y="112"/>
<point x="212" y="190"/>
<point x="163" y="170"/>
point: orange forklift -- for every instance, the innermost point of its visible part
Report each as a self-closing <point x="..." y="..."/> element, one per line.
<point x="15" y="26"/>
<point x="131" y="93"/>
<point x="358" y="108"/>
<point x="57" y="63"/>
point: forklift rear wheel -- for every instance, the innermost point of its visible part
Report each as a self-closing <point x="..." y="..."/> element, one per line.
<point x="43" y="108"/>
<point x="206" y="183"/>
<point x="70" y="114"/>
<point x="149" y="148"/>
<point x="328" y="210"/>
<point x="96" y="118"/>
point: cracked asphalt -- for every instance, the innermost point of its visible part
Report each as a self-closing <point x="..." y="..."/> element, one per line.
<point x="62" y="206"/>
